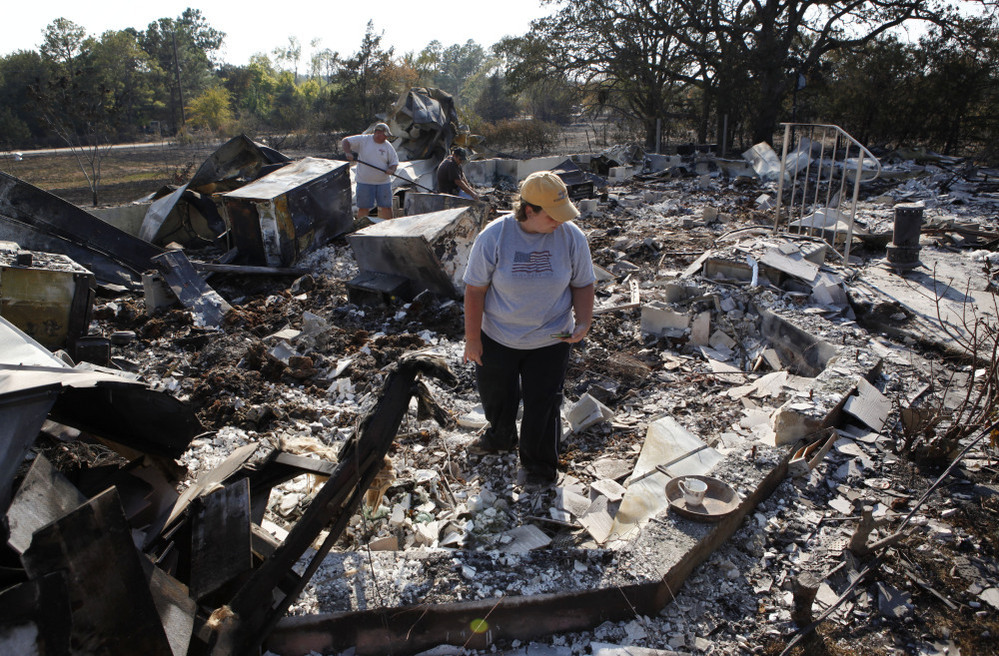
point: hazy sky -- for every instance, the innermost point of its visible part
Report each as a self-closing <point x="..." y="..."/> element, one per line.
<point x="252" y="26"/>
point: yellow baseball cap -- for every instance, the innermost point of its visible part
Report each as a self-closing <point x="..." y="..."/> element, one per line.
<point x="545" y="189"/>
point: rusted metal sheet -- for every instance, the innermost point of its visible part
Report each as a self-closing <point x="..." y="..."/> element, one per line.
<point x="189" y="213"/>
<point x="111" y="604"/>
<point x="47" y="295"/>
<point x="206" y="305"/>
<point x="431" y="249"/>
<point x="35" y="617"/>
<point x="22" y="413"/>
<point x="281" y="216"/>
<point x="39" y="221"/>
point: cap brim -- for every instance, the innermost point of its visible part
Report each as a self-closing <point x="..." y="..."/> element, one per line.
<point x="562" y="212"/>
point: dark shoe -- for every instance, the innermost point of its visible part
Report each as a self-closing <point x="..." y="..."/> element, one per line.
<point x="484" y="446"/>
<point x="536" y="480"/>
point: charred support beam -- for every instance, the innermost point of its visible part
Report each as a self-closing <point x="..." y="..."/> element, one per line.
<point x="477" y="624"/>
<point x="241" y="626"/>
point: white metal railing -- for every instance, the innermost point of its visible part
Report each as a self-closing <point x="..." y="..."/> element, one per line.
<point x="817" y="173"/>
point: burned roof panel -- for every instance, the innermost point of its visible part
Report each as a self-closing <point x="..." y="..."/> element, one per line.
<point x="38" y="220"/>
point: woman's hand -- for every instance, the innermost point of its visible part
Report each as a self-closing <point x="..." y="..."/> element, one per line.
<point x="577" y="334"/>
<point x="473" y="352"/>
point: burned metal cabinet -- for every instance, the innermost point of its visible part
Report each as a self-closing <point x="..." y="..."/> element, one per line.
<point x="579" y="183"/>
<point x="189" y="214"/>
<point x="430" y="250"/>
<point x="274" y="220"/>
<point x="47" y="295"/>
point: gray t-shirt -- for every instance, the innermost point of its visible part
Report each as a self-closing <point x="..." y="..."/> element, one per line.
<point x="528" y="276"/>
<point x="381" y="155"/>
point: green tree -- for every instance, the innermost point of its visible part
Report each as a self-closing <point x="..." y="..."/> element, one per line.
<point x="744" y="58"/>
<point x="289" y="55"/>
<point x="290" y="105"/>
<point x="362" y="84"/>
<point x="185" y="50"/>
<point x="128" y="72"/>
<point x="212" y="109"/>
<point x="79" y="100"/>
<point x="63" y="42"/>
<point x="494" y="102"/>
<point x="19" y="73"/>
<point x="640" y="71"/>
<point x="450" y="68"/>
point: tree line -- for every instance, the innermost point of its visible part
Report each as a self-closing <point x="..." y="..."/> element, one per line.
<point x="727" y="71"/>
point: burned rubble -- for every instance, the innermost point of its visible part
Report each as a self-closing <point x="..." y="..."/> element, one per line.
<point x="316" y="497"/>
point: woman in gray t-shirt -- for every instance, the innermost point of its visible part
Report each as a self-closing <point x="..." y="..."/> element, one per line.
<point x="528" y="296"/>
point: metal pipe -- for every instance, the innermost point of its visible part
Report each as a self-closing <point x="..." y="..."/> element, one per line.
<point x="413" y="182"/>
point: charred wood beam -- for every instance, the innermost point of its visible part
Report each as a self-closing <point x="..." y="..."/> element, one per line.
<point x="246" y="269"/>
<point x="241" y="626"/>
<point x="472" y="624"/>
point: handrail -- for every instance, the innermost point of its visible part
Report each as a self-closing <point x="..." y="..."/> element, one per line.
<point x="827" y="178"/>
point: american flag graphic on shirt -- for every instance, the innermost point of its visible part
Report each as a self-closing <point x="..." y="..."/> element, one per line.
<point x="533" y="263"/>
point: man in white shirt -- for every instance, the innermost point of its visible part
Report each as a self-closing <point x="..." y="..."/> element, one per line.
<point x="377" y="160"/>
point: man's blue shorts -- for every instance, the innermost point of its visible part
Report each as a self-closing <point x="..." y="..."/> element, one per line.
<point x="374" y="195"/>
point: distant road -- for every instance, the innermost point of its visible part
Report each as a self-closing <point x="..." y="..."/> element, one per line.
<point x="55" y="151"/>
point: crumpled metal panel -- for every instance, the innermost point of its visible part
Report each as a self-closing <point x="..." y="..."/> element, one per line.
<point x="40" y="221"/>
<point x="236" y="162"/>
<point x="22" y="413"/>
<point x="276" y="219"/>
<point x="425" y="122"/>
<point x="111" y="405"/>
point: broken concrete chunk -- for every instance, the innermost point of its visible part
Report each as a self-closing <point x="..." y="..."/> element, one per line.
<point x="611" y="468"/>
<point x="586" y="412"/>
<point x="721" y="341"/>
<point x="525" y="538"/>
<point x="389" y="543"/>
<point x="570" y="501"/>
<point x="597" y="520"/>
<point x="609" y="488"/>
<point x="793" y="265"/>
<point x="892" y="602"/>
<point x="700" y="329"/>
<point x="764" y="202"/>
<point x="657" y="319"/>
<point x="869" y="405"/>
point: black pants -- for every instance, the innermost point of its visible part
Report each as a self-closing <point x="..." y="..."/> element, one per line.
<point x="535" y="376"/>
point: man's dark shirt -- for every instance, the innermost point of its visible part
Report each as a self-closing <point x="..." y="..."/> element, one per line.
<point x="448" y="174"/>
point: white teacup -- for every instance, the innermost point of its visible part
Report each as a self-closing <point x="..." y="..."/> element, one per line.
<point x="693" y="490"/>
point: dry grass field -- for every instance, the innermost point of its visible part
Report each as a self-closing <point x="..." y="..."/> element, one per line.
<point x="127" y="172"/>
